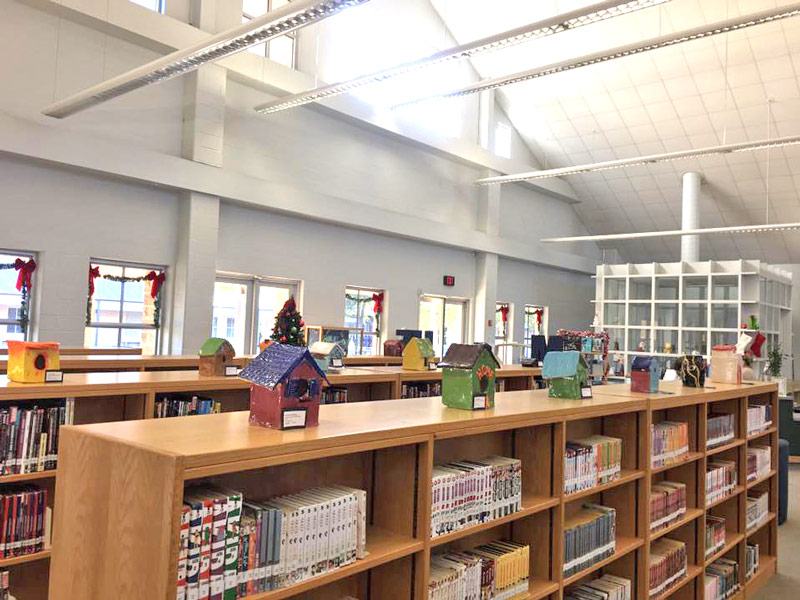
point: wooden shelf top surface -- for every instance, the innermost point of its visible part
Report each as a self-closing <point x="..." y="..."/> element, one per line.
<point x="674" y="393"/>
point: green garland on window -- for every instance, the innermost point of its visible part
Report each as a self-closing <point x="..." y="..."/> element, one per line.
<point x="23" y="302"/>
<point x="358" y="299"/>
<point x="120" y="279"/>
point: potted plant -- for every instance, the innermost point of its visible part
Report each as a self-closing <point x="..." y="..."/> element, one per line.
<point x="774" y="366"/>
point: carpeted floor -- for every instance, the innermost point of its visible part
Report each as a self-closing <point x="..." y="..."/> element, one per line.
<point x="786" y="584"/>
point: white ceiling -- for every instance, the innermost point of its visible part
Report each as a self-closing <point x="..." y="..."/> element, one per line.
<point x="661" y="101"/>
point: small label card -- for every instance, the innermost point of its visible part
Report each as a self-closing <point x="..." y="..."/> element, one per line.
<point x="479" y="403"/>
<point x="432" y="366"/>
<point x="336" y="363"/>
<point x="231" y="370"/>
<point x="54" y="376"/>
<point x="586" y="391"/>
<point x="293" y="418"/>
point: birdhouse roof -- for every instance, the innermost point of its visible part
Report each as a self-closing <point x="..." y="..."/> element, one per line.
<point x="562" y="364"/>
<point x="214" y="345"/>
<point x="644" y="363"/>
<point x="464" y="356"/>
<point x="270" y="367"/>
<point x="325" y="349"/>
<point x="423" y="346"/>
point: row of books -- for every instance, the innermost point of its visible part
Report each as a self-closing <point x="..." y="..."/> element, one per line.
<point x="421" y="390"/>
<point x="759" y="461"/>
<point x="757" y="508"/>
<point x="26" y="520"/>
<point x="715" y="534"/>
<point x="468" y="492"/>
<point x="721" y="579"/>
<point x="29" y="435"/>
<point x="498" y="570"/>
<point x="591" y="461"/>
<point x="721" y="478"/>
<point x="670" y="442"/>
<point x="720" y="429"/>
<point x="667" y="564"/>
<point x="589" y="537"/>
<point x="231" y="547"/>
<point x="334" y="395"/>
<point x="179" y="405"/>
<point x="667" y="504"/>
<point x="759" y="418"/>
<point x="607" y="587"/>
<point x="5" y="591"/>
<point x="752" y="556"/>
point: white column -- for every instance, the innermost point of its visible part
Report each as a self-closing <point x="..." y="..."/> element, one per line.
<point x="690" y="216"/>
<point x="486" y="265"/>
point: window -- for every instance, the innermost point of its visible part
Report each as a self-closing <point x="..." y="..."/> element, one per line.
<point x="231" y="328"/>
<point x="359" y="312"/>
<point x="280" y="49"/>
<point x="501" y="328"/>
<point x="155" y="5"/>
<point x="446" y="318"/>
<point x="12" y="326"/>
<point x="502" y="140"/>
<point x="214" y="327"/>
<point x="533" y="323"/>
<point x="230" y="308"/>
<point x="122" y="312"/>
<point x="271" y="298"/>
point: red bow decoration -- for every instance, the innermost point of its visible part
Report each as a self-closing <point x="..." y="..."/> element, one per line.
<point x="158" y="281"/>
<point x="94" y="273"/>
<point x="539" y="314"/>
<point x="377" y="299"/>
<point x="504" y="313"/>
<point x="25" y="269"/>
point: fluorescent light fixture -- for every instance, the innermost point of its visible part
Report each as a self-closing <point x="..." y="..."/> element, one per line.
<point x="678" y="232"/>
<point x="288" y="18"/>
<point x="563" y="22"/>
<point x="697" y="33"/>
<point x="642" y="160"/>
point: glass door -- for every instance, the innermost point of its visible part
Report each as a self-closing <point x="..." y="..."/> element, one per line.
<point x="270" y="298"/>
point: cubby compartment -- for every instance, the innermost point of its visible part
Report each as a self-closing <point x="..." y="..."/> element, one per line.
<point x="391" y="580"/>
<point x="220" y="401"/>
<point x="106" y="409"/>
<point x="686" y="474"/>
<point x="724" y="428"/>
<point x="734" y="528"/>
<point x="689" y="535"/>
<point x="625" y="567"/>
<point x="731" y="456"/>
<point x="691" y="415"/>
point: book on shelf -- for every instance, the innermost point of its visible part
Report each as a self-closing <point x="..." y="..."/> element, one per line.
<point x="590" y="462"/>
<point x="421" y="389"/>
<point x="26" y="520"/>
<point x="759" y="418"/>
<point x="498" y="570"/>
<point x="334" y="395"/>
<point x="721" y="579"/>
<point x="715" y="534"/>
<point x="759" y="461"/>
<point x="5" y="591"/>
<point x="721" y="479"/>
<point x="231" y="547"/>
<point x="752" y="556"/>
<point x="606" y="587"/>
<point x="720" y="429"/>
<point x="29" y="433"/>
<point x="469" y="492"/>
<point x="667" y="564"/>
<point x="589" y="537"/>
<point x="757" y="508"/>
<point x="667" y="504"/>
<point x="182" y="405"/>
<point x="670" y="442"/>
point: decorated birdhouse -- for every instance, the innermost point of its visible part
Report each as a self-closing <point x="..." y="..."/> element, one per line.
<point x="28" y="362"/>
<point x="216" y="357"/>
<point x="286" y="387"/>
<point x="693" y="370"/>
<point x="567" y="375"/>
<point x="328" y="355"/>
<point x="726" y="364"/>
<point x="393" y="348"/>
<point x="468" y="375"/>
<point x="418" y="355"/>
<point x="645" y="374"/>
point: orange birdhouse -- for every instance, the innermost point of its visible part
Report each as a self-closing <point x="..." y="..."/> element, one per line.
<point x="29" y="361"/>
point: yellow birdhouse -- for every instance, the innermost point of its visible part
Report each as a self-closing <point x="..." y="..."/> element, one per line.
<point x="418" y="355"/>
<point x="29" y="361"/>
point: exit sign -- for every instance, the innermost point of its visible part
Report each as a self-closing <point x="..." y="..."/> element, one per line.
<point x="449" y="280"/>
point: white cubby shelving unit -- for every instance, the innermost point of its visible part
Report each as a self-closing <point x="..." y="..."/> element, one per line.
<point x="671" y="309"/>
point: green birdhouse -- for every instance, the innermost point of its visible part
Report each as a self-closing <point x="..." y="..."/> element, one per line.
<point x="567" y="374"/>
<point x="468" y="375"/>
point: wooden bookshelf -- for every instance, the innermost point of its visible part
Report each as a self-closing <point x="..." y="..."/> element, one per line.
<point x="133" y="474"/>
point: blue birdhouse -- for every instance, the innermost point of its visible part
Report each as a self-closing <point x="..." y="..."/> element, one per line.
<point x="645" y="374"/>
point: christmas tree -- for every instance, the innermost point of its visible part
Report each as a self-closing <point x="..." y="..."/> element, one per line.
<point x="289" y="325"/>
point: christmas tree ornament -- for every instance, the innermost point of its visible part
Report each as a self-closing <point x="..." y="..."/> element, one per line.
<point x="288" y="325"/>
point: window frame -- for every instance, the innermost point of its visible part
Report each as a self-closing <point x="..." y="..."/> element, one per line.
<point x="506" y="150"/>
<point x="161" y="6"/>
<point x="505" y="351"/>
<point x="465" y="302"/>
<point x="266" y="54"/>
<point x="364" y="333"/>
<point x="527" y="310"/>
<point x="16" y="322"/>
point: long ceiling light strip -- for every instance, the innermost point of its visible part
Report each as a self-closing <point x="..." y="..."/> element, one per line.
<point x="563" y="22"/>
<point x="642" y="160"/>
<point x="730" y="25"/>
<point x="286" y="19"/>
<point x="677" y="232"/>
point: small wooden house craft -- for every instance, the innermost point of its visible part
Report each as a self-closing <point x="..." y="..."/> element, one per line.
<point x="468" y="375"/>
<point x="693" y="371"/>
<point x="287" y="386"/>
<point x="28" y="362"/>
<point x="645" y="374"/>
<point x="393" y="348"/>
<point x="417" y="355"/>
<point x="328" y="355"/>
<point x="215" y="355"/>
<point x="567" y="374"/>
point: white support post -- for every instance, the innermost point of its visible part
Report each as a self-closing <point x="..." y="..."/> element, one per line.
<point x="690" y="216"/>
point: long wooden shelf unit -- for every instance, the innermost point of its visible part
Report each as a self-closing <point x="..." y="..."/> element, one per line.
<point x="120" y="487"/>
